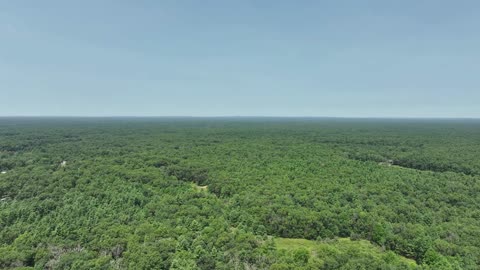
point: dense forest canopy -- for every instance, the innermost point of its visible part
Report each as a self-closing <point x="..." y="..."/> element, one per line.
<point x="239" y="193"/>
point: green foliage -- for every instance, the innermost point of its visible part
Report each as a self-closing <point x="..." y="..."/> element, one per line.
<point x="213" y="194"/>
<point x="337" y="253"/>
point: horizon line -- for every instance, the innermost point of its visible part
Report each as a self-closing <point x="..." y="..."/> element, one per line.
<point x="241" y="116"/>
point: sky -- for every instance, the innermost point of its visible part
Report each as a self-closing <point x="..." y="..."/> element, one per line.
<point x="409" y="58"/>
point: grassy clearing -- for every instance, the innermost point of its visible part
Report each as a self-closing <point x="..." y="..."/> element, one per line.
<point x="199" y="188"/>
<point x="341" y="247"/>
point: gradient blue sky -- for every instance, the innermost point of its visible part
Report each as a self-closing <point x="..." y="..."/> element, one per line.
<point x="408" y="58"/>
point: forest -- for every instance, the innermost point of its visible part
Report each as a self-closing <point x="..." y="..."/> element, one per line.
<point x="239" y="193"/>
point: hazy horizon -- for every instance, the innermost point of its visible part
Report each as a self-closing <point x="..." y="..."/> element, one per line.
<point x="237" y="116"/>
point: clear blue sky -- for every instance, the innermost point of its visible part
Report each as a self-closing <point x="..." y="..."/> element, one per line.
<point x="409" y="58"/>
